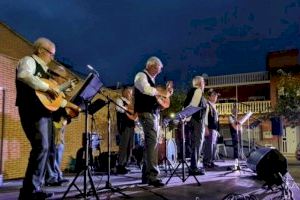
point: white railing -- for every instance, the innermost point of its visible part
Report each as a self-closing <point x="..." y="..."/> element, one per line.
<point x="254" y="106"/>
<point x="238" y="79"/>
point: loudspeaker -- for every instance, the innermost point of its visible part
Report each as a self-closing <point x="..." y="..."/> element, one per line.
<point x="277" y="126"/>
<point x="80" y="159"/>
<point x="269" y="164"/>
<point x="102" y="161"/>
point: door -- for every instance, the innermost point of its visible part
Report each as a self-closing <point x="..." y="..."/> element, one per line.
<point x="291" y="139"/>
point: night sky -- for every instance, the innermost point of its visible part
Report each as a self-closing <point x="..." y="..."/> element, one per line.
<point x="191" y="37"/>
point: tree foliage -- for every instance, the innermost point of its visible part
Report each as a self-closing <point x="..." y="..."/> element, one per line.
<point x="177" y="100"/>
<point x="288" y="104"/>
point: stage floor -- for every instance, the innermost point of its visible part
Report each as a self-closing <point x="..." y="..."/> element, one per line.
<point x="216" y="184"/>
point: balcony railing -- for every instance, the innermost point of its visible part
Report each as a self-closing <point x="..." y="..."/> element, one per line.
<point x="238" y="79"/>
<point x="257" y="107"/>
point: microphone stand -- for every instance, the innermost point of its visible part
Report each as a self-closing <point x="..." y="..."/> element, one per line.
<point x="108" y="185"/>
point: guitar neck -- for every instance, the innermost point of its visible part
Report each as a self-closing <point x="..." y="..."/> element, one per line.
<point x="64" y="86"/>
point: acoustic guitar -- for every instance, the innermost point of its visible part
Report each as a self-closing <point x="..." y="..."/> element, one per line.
<point x="131" y="115"/>
<point x="129" y="110"/>
<point x="164" y="100"/>
<point x="50" y="103"/>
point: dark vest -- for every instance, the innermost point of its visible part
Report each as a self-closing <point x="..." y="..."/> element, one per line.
<point x="232" y="130"/>
<point x="202" y="104"/>
<point x="213" y="123"/>
<point x="26" y="97"/>
<point x="123" y="121"/>
<point x="143" y="102"/>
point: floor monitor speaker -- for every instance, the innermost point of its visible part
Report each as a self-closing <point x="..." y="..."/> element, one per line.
<point x="269" y="164"/>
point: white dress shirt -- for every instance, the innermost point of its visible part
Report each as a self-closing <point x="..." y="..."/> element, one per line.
<point x="142" y="84"/>
<point x="26" y="70"/>
<point x="120" y="102"/>
<point x="25" y="73"/>
<point x="195" y="100"/>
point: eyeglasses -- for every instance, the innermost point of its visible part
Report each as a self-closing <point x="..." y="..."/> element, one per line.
<point x="52" y="54"/>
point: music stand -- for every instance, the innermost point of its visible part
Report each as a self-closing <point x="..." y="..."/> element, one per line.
<point x="240" y="141"/>
<point x="241" y="122"/>
<point x="83" y="98"/>
<point x="182" y="115"/>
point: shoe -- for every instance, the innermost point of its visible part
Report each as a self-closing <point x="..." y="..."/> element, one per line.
<point x="53" y="184"/>
<point x="209" y="165"/>
<point x="63" y="180"/>
<point x="202" y="171"/>
<point x="196" y="171"/>
<point x="35" y="195"/>
<point x="156" y="183"/>
<point x="122" y="170"/>
<point x="41" y="195"/>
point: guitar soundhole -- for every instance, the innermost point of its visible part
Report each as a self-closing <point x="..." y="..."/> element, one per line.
<point x="49" y="98"/>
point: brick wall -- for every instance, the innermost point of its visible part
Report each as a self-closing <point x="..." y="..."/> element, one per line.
<point x="12" y="44"/>
<point x="16" y="147"/>
<point x="14" y="140"/>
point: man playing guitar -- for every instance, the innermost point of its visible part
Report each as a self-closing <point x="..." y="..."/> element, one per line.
<point x="36" y="119"/>
<point x="148" y="108"/>
<point x="125" y="123"/>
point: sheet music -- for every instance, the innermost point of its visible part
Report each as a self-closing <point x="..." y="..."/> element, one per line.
<point x="185" y="114"/>
<point x="245" y="118"/>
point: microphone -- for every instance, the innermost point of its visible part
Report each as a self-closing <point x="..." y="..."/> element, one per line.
<point x="92" y="69"/>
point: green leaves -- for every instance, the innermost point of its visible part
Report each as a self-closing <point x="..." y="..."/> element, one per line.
<point x="288" y="103"/>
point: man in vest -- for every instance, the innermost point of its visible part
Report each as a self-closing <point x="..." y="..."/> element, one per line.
<point x="36" y="120"/>
<point x="126" y="129"/>
<point x="211" y="130"/>
<point x="195" y="125"/>
<point x="148" y="112"/>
